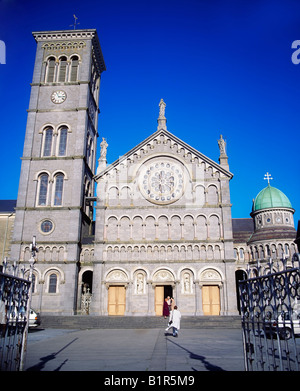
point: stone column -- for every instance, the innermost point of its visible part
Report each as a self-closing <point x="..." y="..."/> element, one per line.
<point x="197" y="293"/>
<point x="151" y="299"/>
<point x="223" y="309"/>
<point x="200" y="302"/>
<point x="128" y="295"/>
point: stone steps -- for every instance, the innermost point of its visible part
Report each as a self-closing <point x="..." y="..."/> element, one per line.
<point x="136" y="322"/>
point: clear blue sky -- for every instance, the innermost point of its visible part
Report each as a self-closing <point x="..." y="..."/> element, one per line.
<point x="222" y="67"/>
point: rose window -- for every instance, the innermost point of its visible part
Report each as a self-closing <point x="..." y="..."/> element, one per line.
<point x="162" y="182"/>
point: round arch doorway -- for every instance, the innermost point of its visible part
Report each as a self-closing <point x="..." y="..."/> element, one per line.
<point x="85" y="289"/>
<point x="161" y="292"/>
<point x="87" y="281"/>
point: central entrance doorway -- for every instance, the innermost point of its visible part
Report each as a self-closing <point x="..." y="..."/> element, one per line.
<point x="211" y="299"/>
<point x="161" y="292"/>
<point x="116" y="300"/>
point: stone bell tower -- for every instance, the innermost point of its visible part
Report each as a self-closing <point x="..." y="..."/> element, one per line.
<point x="58" y="163"/>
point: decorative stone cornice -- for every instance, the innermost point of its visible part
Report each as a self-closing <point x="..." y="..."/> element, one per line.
<point x="64" y="45"/>
<point x="56" y="110"/>
<point x="43" y="158"/>
<point x="60" y="35"/>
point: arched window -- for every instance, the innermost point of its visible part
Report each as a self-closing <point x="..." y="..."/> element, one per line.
<point x="261" y="252"/>
<point x="241" y="253"/>
<point x="52" y="283"/>
<point x="50" y="70"/>
<point x="33" y="281"/>
<point x="62" y="69"/>
<point x="280" y="251"/>
<point x="87" y="194"/>
<point x="235" y="255"/>
<point x="273" y="251"/>
<point x="43" y="189"/>
<point x="91" y="152"/>
<point x="58" y="193"/>
<point x="63" y="142"/>
<point x="88" y="147"/>
<point x="74" y="68"/>
<point x="48" y="137"/>
<point x="287" y="249"/>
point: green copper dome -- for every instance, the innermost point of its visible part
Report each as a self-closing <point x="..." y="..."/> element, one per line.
<point x="270" y="197"/>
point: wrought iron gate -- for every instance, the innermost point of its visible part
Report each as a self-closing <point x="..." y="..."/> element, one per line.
<point x="15" y="295"/>
<point x="270" y="309"/>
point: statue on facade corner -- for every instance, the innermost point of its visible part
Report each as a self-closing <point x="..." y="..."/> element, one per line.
<point x="162" y="108"/>
<point x="103" y="146"/>
<point x="222" y="146"/>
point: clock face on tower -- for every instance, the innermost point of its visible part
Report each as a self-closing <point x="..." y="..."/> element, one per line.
<point x="162" y="181"/>
<point x="58" y="96"/>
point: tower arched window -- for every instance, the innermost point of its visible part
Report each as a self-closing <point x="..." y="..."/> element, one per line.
<point x="235" y="253"/>
<point x="74" y="68"/>
<point x="50" y="70"/>
<point x="48" y="138"/>
<point x="62" y="73"/>
<point x="63" y="135"/>
<point x="91" y="154"/>
<point x="33" y="283"/>
<point x="52" y="283"/>
<point x="87" y="194"/>
<point x="43" y="189"/>
<point x="58" y="192"/>
<point x="88" y="148"/>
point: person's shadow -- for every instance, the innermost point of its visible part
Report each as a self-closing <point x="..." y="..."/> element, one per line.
<point x="43" y="360"/>
<point x="207" y="364"/>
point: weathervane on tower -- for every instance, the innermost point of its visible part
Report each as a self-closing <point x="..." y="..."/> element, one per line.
<point x="268" y="177"/>
<point x="75" y="22"/>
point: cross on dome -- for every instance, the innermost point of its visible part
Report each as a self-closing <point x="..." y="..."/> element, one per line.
<point x="268" y="177"/>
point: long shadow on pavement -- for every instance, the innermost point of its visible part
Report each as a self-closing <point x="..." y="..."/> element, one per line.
<point x="52" y="356"/>
<point x="207" y="364"/>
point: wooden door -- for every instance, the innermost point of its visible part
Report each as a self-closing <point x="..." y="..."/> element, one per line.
<point x="211" y="300"/>
<point x="116" y="300"/>
<point x="159" y="300"/>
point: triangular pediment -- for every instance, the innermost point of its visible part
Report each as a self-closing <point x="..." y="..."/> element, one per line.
<point x="146" y="148"/>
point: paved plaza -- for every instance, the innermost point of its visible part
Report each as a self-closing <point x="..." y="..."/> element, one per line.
<point x="134" y="350"/>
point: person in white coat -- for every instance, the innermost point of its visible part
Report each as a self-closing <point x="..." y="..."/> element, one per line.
<point x="174" y="321"/>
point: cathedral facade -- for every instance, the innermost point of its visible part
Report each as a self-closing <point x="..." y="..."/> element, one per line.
<point x="163" y="224"/>
<point x="163" y="227"/>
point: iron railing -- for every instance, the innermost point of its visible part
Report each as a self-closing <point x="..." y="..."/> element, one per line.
<point x="15" y="300"/>
<point x="270" y="310"/>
